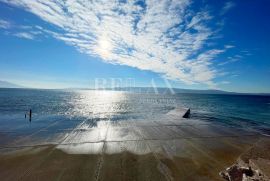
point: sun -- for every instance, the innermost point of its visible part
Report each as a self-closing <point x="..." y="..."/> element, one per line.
<point x="104" y="47"/>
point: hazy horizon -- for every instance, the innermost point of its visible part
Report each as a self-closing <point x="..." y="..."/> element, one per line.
<point x="196" y="91"/>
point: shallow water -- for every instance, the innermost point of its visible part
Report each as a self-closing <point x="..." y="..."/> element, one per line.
<point x="83" y="116"/>
<point x="76" y="107"/>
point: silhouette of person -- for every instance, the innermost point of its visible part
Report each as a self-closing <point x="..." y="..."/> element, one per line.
<point x="30" y="115"/>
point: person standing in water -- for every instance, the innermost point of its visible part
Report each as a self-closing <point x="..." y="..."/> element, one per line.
<point x="30" y="114"/>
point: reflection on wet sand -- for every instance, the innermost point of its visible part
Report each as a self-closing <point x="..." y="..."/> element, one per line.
<point x="183" y="159"/>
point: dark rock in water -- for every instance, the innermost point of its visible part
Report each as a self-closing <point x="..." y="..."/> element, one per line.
<point x="187" y="114"/>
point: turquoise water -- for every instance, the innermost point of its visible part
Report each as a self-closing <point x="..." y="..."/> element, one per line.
<point x="70" y="108"/>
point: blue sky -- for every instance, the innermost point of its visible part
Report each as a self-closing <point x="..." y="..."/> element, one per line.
<point x="207" y="44"/>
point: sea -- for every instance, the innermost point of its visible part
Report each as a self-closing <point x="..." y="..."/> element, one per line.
<point x="71" y="108"/>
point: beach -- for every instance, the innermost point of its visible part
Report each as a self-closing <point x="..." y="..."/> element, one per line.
<point x="173" y="151"/>
<point x="193" y="162"/>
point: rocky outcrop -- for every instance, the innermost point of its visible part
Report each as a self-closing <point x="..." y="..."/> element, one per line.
<point x="253" y="165"/>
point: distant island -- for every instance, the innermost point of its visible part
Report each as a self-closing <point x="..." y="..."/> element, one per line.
<point x="162" y="90"/>
<point x="159" y="90"/>
<point x="172" y="90"/>
<point x="6" y="84"/>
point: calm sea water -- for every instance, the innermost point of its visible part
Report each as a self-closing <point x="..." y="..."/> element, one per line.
<point x="74" y="107"/>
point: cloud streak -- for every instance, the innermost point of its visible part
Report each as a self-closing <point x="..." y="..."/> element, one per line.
<point x="228" y="6"/>
<point x="167" y="37"/>
<point x="24" y="35"/>
<point x="4" y="24"/>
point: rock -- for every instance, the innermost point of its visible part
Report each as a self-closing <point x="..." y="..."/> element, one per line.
<point x="236" y="173"/>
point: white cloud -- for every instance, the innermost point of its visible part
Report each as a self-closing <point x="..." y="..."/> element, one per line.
<point x="225" y="82"/>
<point x="4" y="24"/>
<point x="231" y="59"/>
<point x="24" y="35"/>
<point x="228" y="5"/>
<point x="229" y="46"/>
<point x="166" y="37"/>
<point x="26" y="32"/>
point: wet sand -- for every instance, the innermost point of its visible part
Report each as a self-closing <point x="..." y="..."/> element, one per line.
<point x="192" y="159"/>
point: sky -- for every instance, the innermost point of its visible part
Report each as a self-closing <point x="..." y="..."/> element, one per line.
<point x="202" y="44"/>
